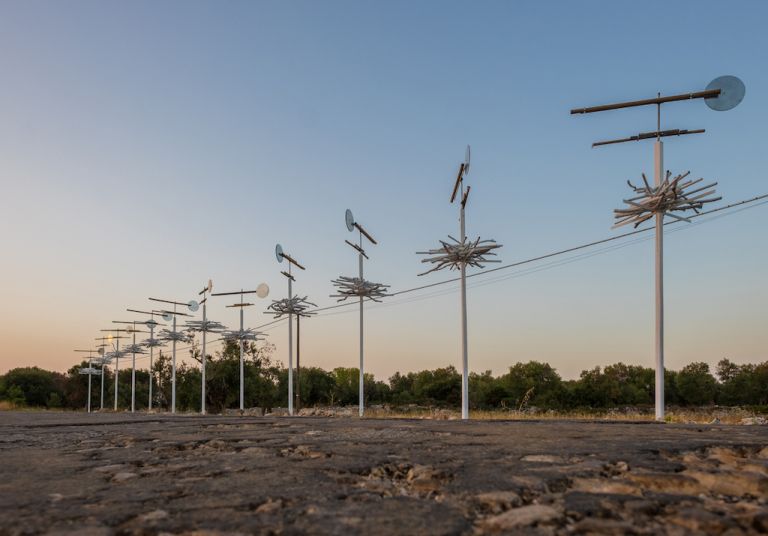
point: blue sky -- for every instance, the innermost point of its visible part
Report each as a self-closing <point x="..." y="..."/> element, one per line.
<point x="145" y="147"/>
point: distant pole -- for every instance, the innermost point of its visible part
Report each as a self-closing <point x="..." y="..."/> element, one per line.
<point x="464" y="347"/>
<point x="242" y="371"/>
<point x="173" y="366"/>
<point x="202" y="381"/>
<point x="298" y="362"/>
<point x="90" y="367"/>
<point x="151" y="355"/>
<point x="290" y="347"/>
<point x="361" y="398"/>
<point x="101" y="400"/>
<point x="133" y="371"/>
<point x="117" y="370"/>
<point x="658" y="158"/>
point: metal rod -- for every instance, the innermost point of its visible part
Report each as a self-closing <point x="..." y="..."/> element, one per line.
<point x="708" y="94"/>
<point x="133" y="371"/>
<point x="650" y="135"/>
<point x="242" y="372"/>
<point x="298" y="362"/>
<point x="117" y="368"/>
<point x="464" y="348"/>
<point x="203" y="362"/>
<point x="290" y="344"/>
<point x="173" y="366"/>
<point x="365" y="234"/>
<point x="658" y="157"/>
<point x="89" y="383"/>
<point x="151" y="371"/>
<point x="361" y="387"/>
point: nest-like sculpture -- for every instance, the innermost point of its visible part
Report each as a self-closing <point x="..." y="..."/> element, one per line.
<point x="242" y="335"/>
<point x="178" y="336"/>
<point x="454" y="255"/>
<point x="670" y="196"/>
<point x="209" y="326"/>
<point x="134" y="349"/>
<point x="115" y="354"/>
<point x="290" y="306"/>
<point x="354" y="287"/>
<point x="153" y="343"/>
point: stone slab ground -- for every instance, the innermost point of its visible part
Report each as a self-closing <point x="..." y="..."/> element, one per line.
<point x="69" y="473"/>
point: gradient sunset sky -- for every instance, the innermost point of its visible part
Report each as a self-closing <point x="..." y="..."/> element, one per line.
<point x="148" y="146"/>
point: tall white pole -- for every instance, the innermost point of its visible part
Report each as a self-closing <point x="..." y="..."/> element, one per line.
<point x="464" y="351"/>
<point x="202" y="380"/>
<point x="173" y="366"/>
<point x="242" y="375"/>
<point x="117" y="370"/>
<point x="658" y="160"/>
<point x="133" y="372"/>
<point x="101" y="400"/>
<point x="89" y="383"/>
<point x="361" y="408"/>
<point x="290" y="347"/>
<point x="151" y="355"/>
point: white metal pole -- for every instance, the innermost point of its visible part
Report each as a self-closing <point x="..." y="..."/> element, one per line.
<point x="290" y="348"/>
<point x="133" y="372"/>
<point x="151" y="355"/>
<point x="173" y="366"/>
<point x="89" y="383"/>
<point x="242" y="375"/>
<point x="465" y="358"/>
<point x="202" y="380"/>
<point x="117" y="370"/>
<point x="658" y="160"/>
<point x="101" y="399"/>
<point x="361" y="408"/>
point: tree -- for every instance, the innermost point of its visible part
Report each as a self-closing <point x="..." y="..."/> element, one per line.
<point x="696" y="385"/>
<point x="37" y="385"/>
<point x="541" y="378"/>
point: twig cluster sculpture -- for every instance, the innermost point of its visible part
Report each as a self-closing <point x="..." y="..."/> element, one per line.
<point x="207" y="326"/>
<point x="669" y="197"/>
<point x="152" y="342"/>
<point x="355" y="287"/>
<point x="177" y="336"/>
<point x="238" y="335"/>
<point x="290" y="306"/>
<point x="457" y="254"/>
<point x="134" y="349"/>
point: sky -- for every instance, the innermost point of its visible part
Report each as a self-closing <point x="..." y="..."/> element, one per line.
<point x="146" y="147"/>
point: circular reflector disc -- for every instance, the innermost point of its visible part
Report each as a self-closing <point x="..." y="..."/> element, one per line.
<point x="349" y="219"/>
<point x="279" y="253"/>
<point x="262" y="291"/>
<point x="732" y="92"/>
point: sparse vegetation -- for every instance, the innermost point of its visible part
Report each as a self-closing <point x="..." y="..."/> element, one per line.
<point x="527" y="390"/>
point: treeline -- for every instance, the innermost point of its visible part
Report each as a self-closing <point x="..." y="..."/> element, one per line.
<point x="530" y="384"/>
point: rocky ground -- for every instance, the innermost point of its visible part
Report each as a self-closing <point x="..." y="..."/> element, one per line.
<point x="136" y="474"/>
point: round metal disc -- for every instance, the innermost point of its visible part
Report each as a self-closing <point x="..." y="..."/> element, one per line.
<point x="732" y="92"/>
<point x="167" y="317"/>
<point x="349" y="219"/>
<point x="279" y="253"/>
<point x="100" y="351"/>
<point x="466" y="161"/>
<point x="151" y="323"/>
<point x="193" y="305"/>
<point x="210" y="285"/>
<point x="262" y="291"/>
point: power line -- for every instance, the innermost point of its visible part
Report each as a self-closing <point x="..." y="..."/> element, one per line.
<point x="531" y="260"/>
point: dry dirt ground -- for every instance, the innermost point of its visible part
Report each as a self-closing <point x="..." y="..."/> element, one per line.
<point x="136" y="474"/>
